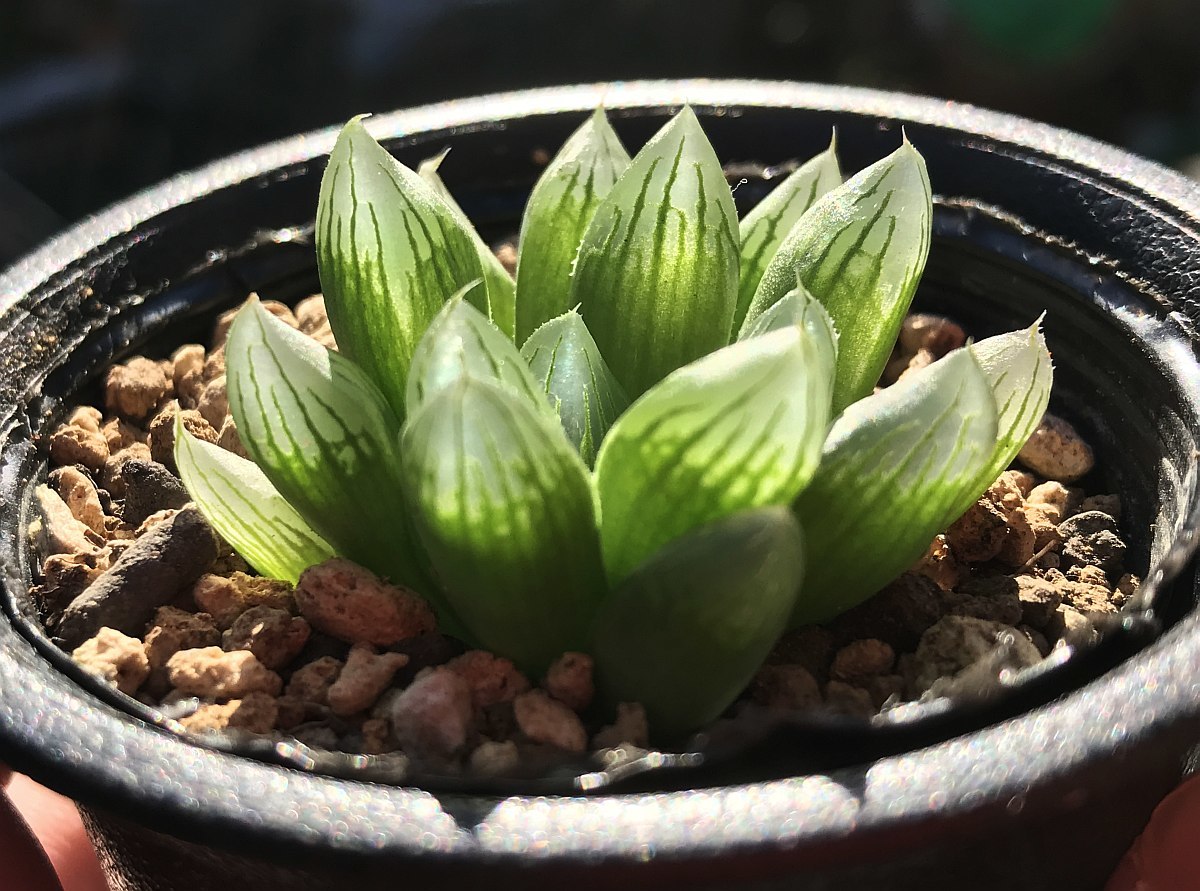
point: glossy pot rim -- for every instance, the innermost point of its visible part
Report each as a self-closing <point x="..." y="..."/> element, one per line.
<point x="65" y="737"/>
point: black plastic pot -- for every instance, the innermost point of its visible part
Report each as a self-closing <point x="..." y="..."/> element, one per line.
<point x="1042" y="788"/>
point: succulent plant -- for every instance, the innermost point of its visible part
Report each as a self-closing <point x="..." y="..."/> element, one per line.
<point x="659" y="445"/>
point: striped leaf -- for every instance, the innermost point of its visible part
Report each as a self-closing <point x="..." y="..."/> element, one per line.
<point x="504" y="508"/>
<point x="1019" y="368"/>
<point x="501" y="290"/>
<point x="563" y="356"/>
<point x="768" y="223"/>
<point x="741" y="428"/>
<point x="860" y="249"/>
<point x="389" y="252"/>
<point x="462" y="342"/>
<point x="893" y="473"/>
<point x="657" y="271"/>
<point x="325" y="436"/>
<point x="799" y="307"/>
<point x="560" y="207"/>
<point x="686" y="631"/>
<point x="246" y="510"/>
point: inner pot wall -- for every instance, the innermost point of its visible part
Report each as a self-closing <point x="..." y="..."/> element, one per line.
<point x="1007" y="802"/>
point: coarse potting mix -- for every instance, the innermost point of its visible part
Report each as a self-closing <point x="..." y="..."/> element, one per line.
<point x="140" y="590"/>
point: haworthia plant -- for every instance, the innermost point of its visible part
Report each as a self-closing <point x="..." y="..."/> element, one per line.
<point x="719" y="378"/>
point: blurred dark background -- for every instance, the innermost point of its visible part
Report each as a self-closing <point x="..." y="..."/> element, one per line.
<point x="99" y="98"/>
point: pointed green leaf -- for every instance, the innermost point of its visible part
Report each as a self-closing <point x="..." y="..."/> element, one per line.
<point x="657" y="271"/>
<point x="894" y="470"/>
<point x="501" y="289"/>
<point x="740" y="428"/>
<point x="564" y="357"/>
<point x="1019" y="368"/>
<point x="246" y="510"/>
<point x="324" y="435"/>
<point x="799" y="307"/>
<point x="463" y="342"/>
<point x="768" y="223"/>
<point x="504" y="508"/>
<point x="389" y="252"/>
<point x="560" y="207"/>
<point x="860" y="250"/>
<point x="686" y="631"/>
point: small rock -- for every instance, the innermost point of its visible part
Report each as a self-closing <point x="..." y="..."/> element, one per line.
<point x="979" y="534"/>
<point x="1037" y="638"/>
<point x="885" y="689"/>
<point x="1092" y="538"/>
<point x="150" y="488"/>
<point x="212" y="673"/>
<point x="569" y="680"/>
<point x="364" y="677"/>
<point x="629" y="729"/>
<point x="162" y="432"/>
<point x="154" y="570"/>
<point x="112" y="477"/>
<point x="940" y="565"/>
<point x="1057" y="451"/>
<point x="1091" y="600"/>
<point x="1074" y="628"/>
<point x="862" y="659"/>
<point x="956" y="643"/>
<point x="57" y="531"/>
<point x="433" y="715"/>
<point x="1057" y="500"/>
<point x="376" y="737"/>
<point x="230" y="441"/>
<point x="275" y="636"/>
<point x="994" y="598"/>
<point x="311" y="682"/>
<point x="120" y="434"/>
<point x="809" y="645"/>
<point x="1039" y="600"/>
<point x="349" y="602"/>
<point x="1106" y="504"/>
<point x="70" y="444"/>
<point x="898" y="615"/>
<point x="493" y="759"/>
<point x="227" y="598"/>
<point x="253" y="713"/>
<point x="847" y="699"/>
<point x="1019" y="546"/>
<point x="214" y="365"/>
<point x="135" y="388"/>
<point x="187" y="363"/>
<point x="79" y="493"/>
<point x="86" y="417"/>
<point x="506" y="253"/>
<point x="214" y="402"/>
<point x="1128" y="584"/>
<point x="926" y="331"/>
<point x="492" y="678"/>
<point x="1088" y="575"/>
<point x="115" y="657"/>
<point x="787" y="687"/>
<point x="548" y="721"/>
<point x="64" y="577"/>
<point x="173" y="630"/>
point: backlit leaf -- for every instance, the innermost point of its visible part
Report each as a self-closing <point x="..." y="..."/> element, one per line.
<point x="860" y="249"/>
<point x="656" y="276"/>
<point x="246" y="510"/>
<point x="503" y="505"/>
<point x="390" y="252"/>
<point x="739" y="429"/>
<point x="892" y="475"/>
<point x="798" y="307"/>
<point x="578" y="382"/>
<point x="560" y="207"/>
<point x="686" y="631"/>
<point x="325" y="436"/>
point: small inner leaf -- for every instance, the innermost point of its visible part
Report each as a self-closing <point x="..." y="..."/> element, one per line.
<point x="893" y="473"/>
<point x="504" y="507"/>
<point x="324" y="435"/>
<point x="657" y="271"/>
<point x="799" y="307"/>
<point x="564" y="357"/>
<point x="501" y="290"/>
<point x="739" y="429"/>
<point x="463" y="342"/>
<point x="685" y="632"/>
<point x="560" y="208"/>
<point x="246" y="510"/>
<point x="389" y="252"/>
<point x="768" y="223"/>
<point x="860" y="249"/>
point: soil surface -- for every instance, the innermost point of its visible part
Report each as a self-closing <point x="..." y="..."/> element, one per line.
<point x="142" y="592"/>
